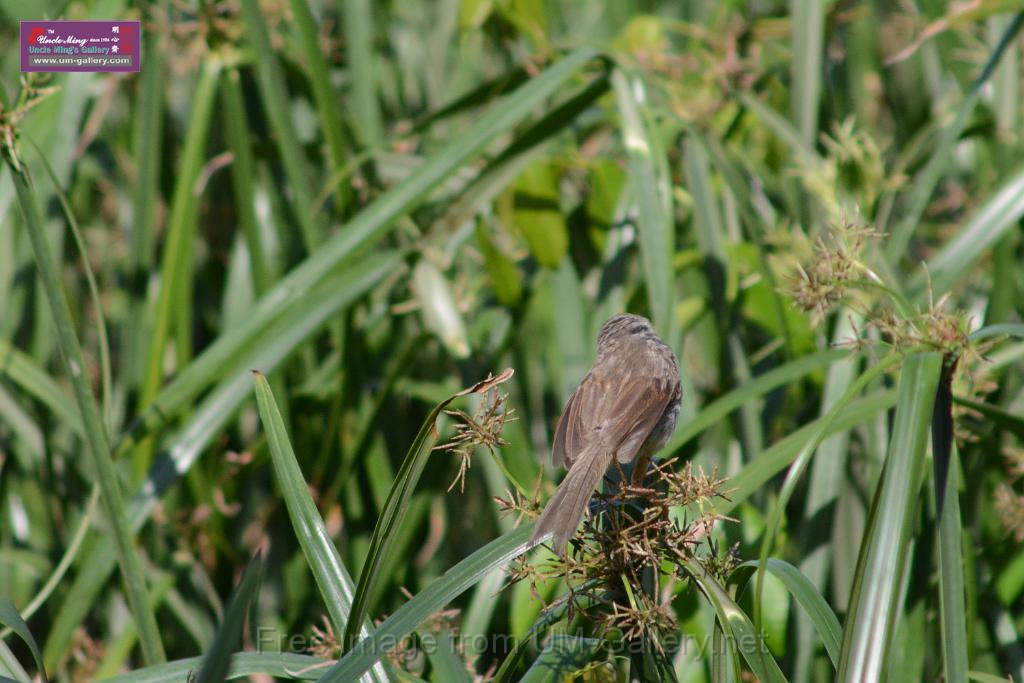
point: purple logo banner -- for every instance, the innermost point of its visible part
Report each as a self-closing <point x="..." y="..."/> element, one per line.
<point x="80" y="46"/>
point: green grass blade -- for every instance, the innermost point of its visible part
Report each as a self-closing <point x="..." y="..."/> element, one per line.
<point x="280" y="342"/>
<point x="951" y="579"/>
<point x="718" y="410"/>
<point x="874" y="603"/>
<point x="358" y="25"/>
<point x="11" y="670"/>
<point x="945" y="474"/>
<point x="709" y="227"/>
<point x="396" y="506"/>
<point x="217" y="661"/>
<point x="655" y="224"/>
<point x="561" y="657"/>
<point x="807" y="36"/>
<point x="367" y="227"/>
<point x="245" y="665"/>
<point x="445" y="662"/>
<point x="409" y="616"/>
<point x="20" y="369"/>
<point x="821" y="615"/>
<point x="737" y="626"/>
<point x="326" y="99"/>
<point x="777" y="123"/>
<point x="924" y="184"/>
<point x="707" y="216"/>
<point x="9" y="617"/>
<point x="800" y="465"/>
<point x="275" y="98"/>
<point x="824" y="483"/>
<point x="243" y="172"/>
<point x="106" y="381"/>
<point x="1009" y="329"/>
<point x="180" y="451"/>
<point x="995" y="218"/>
<point x="779" y="455"/>
<point x="177" y="249"/>
<point x="148" y="153"/>
<point x="982" y="677"/>
<point x="331" y="575"/>
<point x="506" y="672"/>
<point x="96" y="435"/>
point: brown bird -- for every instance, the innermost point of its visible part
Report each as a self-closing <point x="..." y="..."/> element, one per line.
<point x="625" y="408"/>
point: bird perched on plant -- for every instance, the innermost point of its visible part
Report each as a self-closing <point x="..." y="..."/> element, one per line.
<point x="625" y="408"/>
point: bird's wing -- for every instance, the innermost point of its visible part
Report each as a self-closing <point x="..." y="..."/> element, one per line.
<point x="640" y="405"/>
<point x="624" y="414"/>
<point x="558" y="448"/>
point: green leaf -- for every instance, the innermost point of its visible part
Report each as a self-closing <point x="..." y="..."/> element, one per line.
<point x="607" y="182"/>
<point x="922" y="187"/>
<point x="361" y="232"/>
<point x="713" y="413"/>
<point x="807" y="34"/>
<point x="217" y="661"/>
<point x="274" y="95"/>
<point x="561" y="657"/>
<point x="999" y="214"/>
<point x="332" y="577"/>
<point x="320" y="80"/>
<point x="106" y="380"/>
<point x="508" y="667"/>
<point x="20" y="369"/>
<point x="803" y="461"/>
<point x="97" y="438"/>
<point x="303" y="319"/>
<point x="329" y="572"/>
<point x="243" y="175"/>
<point x="536" y="212"/>
<point x="446" y="663"/>
<point x="242" y="665"/>
<point x="175" y="270"/>
<point x="652" y="195"/>
<point x="738" y="627"/>
<point x="437" y="305"/>
<point x="396" y="506"/>
<point x="505" y="276"/>
<point x="409" y="616"/>
<point x="9" y="617"/>
<point x="359" y="38"/>
<point x="779" y="455"/>
<point x="1009" y="329"/>
<point x="874" y="603"/>
<point x="821" y="615"/>
<point x="982" y="677"/>
<point x="148" y="127"/>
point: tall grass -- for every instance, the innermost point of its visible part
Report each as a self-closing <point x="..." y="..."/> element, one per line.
<point x="376" y="206"/>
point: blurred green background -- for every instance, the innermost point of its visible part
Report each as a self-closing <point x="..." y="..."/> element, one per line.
<point x="378" y="204"/>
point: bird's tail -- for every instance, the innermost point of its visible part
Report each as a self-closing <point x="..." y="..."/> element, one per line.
<point x="565" y="509"/>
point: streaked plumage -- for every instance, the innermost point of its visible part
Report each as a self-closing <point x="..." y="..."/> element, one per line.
<point x="625" y="408"/>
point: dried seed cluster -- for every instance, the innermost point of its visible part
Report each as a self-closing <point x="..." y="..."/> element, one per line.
<point x="482" y="429"/>
<point x="623" y="562"/>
